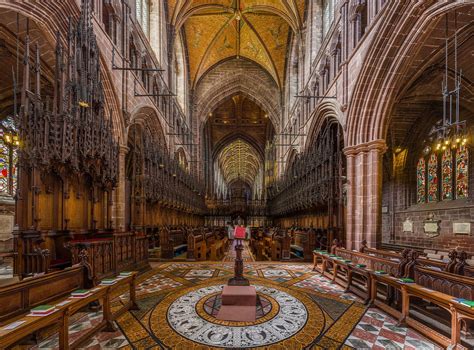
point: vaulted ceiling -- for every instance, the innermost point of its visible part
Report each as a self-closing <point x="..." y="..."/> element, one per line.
<point x="238" y="130"/>
<point x="220" y="29"/>
<point x="239" y="161"/>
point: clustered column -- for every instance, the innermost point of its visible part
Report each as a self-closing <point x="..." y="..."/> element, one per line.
<point x="118" y="209"/>
<point x="364" y="193"/>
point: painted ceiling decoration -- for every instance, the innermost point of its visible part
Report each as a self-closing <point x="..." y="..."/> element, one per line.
<point x="253" y="29"/>
<point x="239" y="161"/>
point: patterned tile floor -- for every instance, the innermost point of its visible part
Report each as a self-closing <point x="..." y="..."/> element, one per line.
<point x="376" y="330"/>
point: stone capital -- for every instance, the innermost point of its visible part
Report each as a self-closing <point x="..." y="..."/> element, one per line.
<point x="376" y="145"/>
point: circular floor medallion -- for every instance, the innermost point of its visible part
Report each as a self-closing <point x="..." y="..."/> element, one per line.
<point x="187" y="316"/>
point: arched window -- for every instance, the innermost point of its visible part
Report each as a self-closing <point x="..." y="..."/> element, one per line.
<point x="447" y="174"/>
<point x="328" y="15"/>
<point x="142" y="12"/>
<point x="293" y="82"/>
<point x="145" y="77"/>
<point x="421" y="181"/>
<point x="180" y="75"/>
<point x="133" y="54"/>
<point x="433" y="178"/>
<point x="109" y="20"/>
<point x="462" y="162"/>
<point x="8" y="157"/>
<point x="359" y="20"/>
<point x="452" y="166"/>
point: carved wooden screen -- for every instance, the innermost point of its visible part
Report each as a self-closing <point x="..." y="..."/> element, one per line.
<point x="68" y="155"/>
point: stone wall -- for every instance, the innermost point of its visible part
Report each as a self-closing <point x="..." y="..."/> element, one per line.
<point x="7" y="210"/>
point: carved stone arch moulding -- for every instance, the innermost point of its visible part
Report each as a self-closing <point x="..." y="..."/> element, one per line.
<point x="380" y="80"/>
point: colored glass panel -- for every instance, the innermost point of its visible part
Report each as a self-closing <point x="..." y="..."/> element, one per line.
<point x="447" y="174"/>
<point x="14" y="171"/>
<point x="433" y="178"/>
<point x="462" y="172"/>
<point x="421" y="181"/>
<point x="4" y="166"/>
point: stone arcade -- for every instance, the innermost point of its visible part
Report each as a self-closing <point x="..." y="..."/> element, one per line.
<point x="138" y="136"/>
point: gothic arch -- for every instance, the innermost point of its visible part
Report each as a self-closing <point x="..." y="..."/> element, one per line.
<point x="386" y="67"/>
<point x="258" y="87"/>
<point x="148" y="117"/>
<point x="324" y="112"/>
<point x="234" y="136"/>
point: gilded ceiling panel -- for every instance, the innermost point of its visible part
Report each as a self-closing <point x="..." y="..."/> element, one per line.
<point x="251" y="47"/>
<point x="224" y="46"/>
<point x="276" y="4"/>
<point x="256" y="29"/>
<point x="200" y="33"/>
<point x="274" y="34"/>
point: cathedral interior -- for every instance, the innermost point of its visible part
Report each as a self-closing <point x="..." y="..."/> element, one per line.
<point x="236" y="174"/>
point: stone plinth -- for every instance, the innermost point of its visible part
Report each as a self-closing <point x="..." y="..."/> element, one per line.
<point x="239" y="303"/>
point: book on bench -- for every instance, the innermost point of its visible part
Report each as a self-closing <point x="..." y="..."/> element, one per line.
<point x="81" y="293"/>
<point x="42" y="310"/>
<point x="361" y="265"/>
<point x="466" y="302"/>
<point x="124" y="274"/>
<point x="108" y="281"/>
<point x="380" y="272"/>
<point x="406" y="280"/>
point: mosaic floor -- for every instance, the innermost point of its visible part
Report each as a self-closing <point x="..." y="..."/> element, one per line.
<point x="302" y="310"/>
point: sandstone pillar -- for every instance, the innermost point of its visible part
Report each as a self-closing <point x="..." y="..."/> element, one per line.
<point x="118" y="210"/>
<point x="364" y="193"/>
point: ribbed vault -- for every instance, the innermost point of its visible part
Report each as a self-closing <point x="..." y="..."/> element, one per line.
<point x="219" y="29"/>
<point x="239" y="161"/>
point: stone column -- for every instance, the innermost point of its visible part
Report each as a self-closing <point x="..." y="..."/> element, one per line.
<point x="350" y="201"/>
<point x="118" y="209"/>
<point x="364" y="193"/>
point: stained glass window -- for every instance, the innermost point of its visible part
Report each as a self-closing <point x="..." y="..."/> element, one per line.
<point x="4" y="164"/>
<point x="433" y="178"/>
<point x="462" y="162"/>
<point x="421" y="181"/>
<point x="447" y="174"/>
<point x="8" y="157"/>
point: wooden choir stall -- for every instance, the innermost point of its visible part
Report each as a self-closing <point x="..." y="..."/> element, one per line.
<point x="68" y="165"/>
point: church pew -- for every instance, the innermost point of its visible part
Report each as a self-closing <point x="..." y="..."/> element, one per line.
<point x="173" y="242"/>
<point x="61" y="317"/>
<point x="303" y="242"/>
<point x="106" y="256"/>
<point x="408" y="264"/>
<point x="196" y="245"/>
<point x="19" y="297"/>
<point x="220" y="245"/>
<point x="340" y="259"/>
<point x="458" y="312"/>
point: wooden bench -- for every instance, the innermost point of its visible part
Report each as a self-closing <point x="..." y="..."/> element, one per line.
<point x="458" y="311"/>
<point x="20" y="297"/>
<point x="173" y="242"/>
<point x="61" y="317"/>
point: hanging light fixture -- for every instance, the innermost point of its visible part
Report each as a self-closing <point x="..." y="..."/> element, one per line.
<point x="452" y="133"/>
